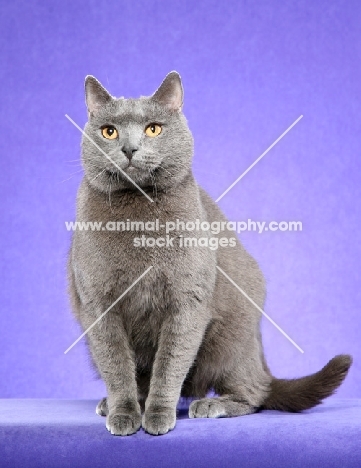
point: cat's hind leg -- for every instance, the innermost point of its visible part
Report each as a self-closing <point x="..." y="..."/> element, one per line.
<point x="241" y="388"/>
<point x="223" y="406"/>
<point x="236" y="397"/>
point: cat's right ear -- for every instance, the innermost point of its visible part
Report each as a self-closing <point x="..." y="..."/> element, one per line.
<point x="96" y="95"/>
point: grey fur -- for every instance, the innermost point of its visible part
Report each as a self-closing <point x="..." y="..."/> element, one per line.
<point x="183" y="329"/>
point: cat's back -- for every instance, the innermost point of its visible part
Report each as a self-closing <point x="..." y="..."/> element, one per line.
<point x="233" y="259"/>
<point x="212" y="210"/>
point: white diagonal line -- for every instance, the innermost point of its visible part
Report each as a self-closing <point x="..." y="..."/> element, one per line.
<point x="98" y="175"/>
<point x="108" y="309"/>
<point x="258" y="159"/>
<point x="108" y="157"/>
<point x="258" y="308"/>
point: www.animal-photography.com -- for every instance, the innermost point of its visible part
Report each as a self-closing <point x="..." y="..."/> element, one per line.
<point x="180" y="239"/>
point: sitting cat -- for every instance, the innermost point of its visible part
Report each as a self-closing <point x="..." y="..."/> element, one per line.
<point x="183" y="329"/>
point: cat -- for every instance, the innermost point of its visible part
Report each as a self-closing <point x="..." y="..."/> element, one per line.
<point x="183" y="329"/>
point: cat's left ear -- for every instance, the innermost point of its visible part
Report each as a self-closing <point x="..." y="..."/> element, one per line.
<point x="96" y="95"/>
<point x="170" y="92"/>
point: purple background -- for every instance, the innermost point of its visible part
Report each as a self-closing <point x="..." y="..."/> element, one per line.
<point x="249" y="70"/>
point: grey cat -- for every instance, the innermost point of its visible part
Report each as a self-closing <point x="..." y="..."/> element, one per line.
<point x="183" y="329"/>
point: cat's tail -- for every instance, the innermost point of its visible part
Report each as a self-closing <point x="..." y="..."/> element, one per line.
<point x="304" y="393"/>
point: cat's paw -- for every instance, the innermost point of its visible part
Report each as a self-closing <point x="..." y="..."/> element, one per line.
<point x="160" y="421"/>
<point x="207" y="408"/>
<point x="102" y="407"/>
<point x="123" y="423"/>
<point x="219" y="407"/>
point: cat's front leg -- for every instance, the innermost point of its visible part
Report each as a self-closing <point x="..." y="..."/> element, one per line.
<point x="114" y="359"/>
<point x="180" y="338"/>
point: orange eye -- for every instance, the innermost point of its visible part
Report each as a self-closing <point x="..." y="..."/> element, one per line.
<point x="110" y="132"/>
<point x="153" y="130"/>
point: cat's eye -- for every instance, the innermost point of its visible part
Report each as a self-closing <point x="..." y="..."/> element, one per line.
<point x="109" y="132"/>
<point x="153" y="130"/>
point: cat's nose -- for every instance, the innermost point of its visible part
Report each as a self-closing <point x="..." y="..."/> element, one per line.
<point x="129" y="151"/>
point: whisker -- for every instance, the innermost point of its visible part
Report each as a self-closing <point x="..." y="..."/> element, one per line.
<point x="152" y="176"/>
<point x="164" y="169"/>
<point x="110" y="188"/>
<point x="147" y="163"/>
<point x="79" y="159"/>
<point x="72" y="175"/>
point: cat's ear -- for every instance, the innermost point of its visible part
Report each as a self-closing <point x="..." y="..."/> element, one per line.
<point x="170" y="92"/>
<point x="96" y="95"/>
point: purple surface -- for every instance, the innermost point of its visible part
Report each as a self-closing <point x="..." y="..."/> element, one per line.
<point x="249" y="70"/>
<point x="65" y="433"/>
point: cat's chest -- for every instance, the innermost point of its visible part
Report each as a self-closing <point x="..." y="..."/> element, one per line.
<point x="109" y="260"/>
<point x="130" y="234"/>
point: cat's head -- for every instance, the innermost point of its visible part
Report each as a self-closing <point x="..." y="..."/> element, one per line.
<point x="147" y="138"/>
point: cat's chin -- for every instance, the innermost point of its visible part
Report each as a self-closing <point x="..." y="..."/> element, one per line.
<point x="112" y="181"/>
